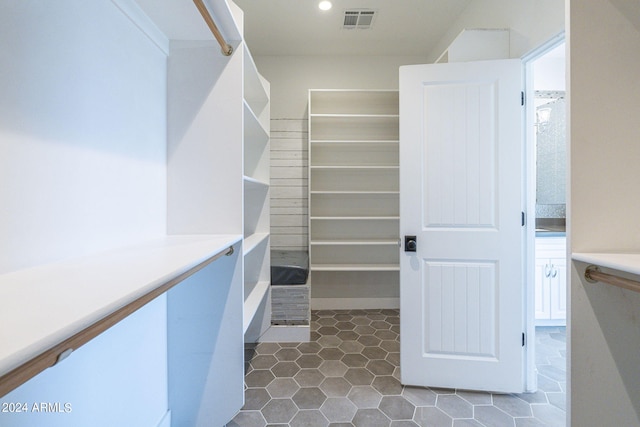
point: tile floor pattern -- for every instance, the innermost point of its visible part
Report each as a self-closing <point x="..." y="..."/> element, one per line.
<point x="347" y="375"/>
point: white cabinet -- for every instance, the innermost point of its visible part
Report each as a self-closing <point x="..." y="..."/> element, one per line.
<point x="550" y="281"/>
<point x="477" y="44"/>
<point x="353" y="187"/>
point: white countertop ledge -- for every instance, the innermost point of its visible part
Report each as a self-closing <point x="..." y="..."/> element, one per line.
<point x="627" y="262"/>
<point x="44" y="305"/>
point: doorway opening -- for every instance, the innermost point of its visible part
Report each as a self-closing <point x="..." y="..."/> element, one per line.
<point x="546" y="247"/>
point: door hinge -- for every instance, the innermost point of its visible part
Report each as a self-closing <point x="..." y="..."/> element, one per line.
<point x="523" y="339"/>
<point x="522" y="98"/>
<point x="523" y="218"/>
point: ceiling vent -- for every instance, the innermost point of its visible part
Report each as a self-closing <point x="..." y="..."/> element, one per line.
<point x="358" y="19"/>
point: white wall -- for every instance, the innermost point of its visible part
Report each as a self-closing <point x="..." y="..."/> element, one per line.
<point x="292" y="76"/>
<point x="549" y="71"/>
<point x="531" y="22"/>
<point x="604" y="58"/>
<point x="82" y="131"/>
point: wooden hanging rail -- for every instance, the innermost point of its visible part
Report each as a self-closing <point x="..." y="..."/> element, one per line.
<point x="50" y="357"/>
<point x="227" y="49"/>
<point x="593" y="274"/>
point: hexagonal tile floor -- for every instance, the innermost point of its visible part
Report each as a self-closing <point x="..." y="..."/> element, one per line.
<point x="347" y="375"/>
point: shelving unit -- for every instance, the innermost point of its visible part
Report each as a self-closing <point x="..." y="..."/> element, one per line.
<point x="124" y="185"/>
<point x="353" y="187"/>
<point x="257" y="290"/>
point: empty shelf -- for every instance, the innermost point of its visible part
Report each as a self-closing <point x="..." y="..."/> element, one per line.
<point x="628" y="262"/>
<point x="381" y="242"/>
<point x="252" y="183"/>
<point x="252" y="241"/>
<point x="252" y="303"/>
<point x="63" y="305"/>
<point x="356" y="218"/>
<point x="355" y="267"/>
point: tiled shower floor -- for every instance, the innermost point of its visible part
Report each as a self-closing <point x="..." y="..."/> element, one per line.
<point x="347" y="375"/>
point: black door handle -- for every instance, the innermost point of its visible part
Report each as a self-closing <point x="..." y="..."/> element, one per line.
<point x="410" y="243"/>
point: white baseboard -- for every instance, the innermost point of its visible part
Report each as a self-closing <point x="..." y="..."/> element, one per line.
<point x="353" y="303"/>
<point x="286" y="333"/>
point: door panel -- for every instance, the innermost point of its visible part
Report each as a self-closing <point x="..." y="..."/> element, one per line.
<point x="460" y="177"/>
<point x="459" y="304"/>
<point x="461" y="194"/>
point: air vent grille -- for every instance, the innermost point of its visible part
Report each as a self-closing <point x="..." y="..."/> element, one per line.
<point x="358" y="19"/>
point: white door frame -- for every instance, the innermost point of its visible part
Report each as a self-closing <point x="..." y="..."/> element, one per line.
<point x="531" y="379"/>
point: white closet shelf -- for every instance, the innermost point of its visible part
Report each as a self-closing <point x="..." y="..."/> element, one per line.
<point x="627" y="262"/>
<point x="53" y="302"/>
<point x="176" y="20"/>
<point x="351" y="141"/>
<point x="253" y="301"/>
<point x="355" y="242"/>
<point x="255" y="91"/>
<point x="355" y="218"/>
<point x="355" y="267"/>
<point x="252" y="241"/>
<point x="252" y="183"/>
<point x="354" y="167"/>
<point x="366" y="116"/>
<point x="253" y="129"/>
<point x="355" y="192"/>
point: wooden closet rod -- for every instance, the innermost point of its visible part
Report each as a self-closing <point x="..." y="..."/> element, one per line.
<point x="593" y="274"/>
<point x="21" y="374"/>
<point x="227" y="50"/>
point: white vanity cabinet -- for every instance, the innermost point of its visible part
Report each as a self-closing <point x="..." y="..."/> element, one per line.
<point x="551" y="281"/>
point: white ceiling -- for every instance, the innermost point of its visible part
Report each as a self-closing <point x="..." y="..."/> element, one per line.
<point x="299" y="27"/>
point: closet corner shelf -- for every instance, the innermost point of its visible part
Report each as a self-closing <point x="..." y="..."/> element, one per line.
<point x="627" y="262"/>
<point x="252" y="125"/>
<point x="64" y="304"/>
<point x="353" y="192"/>
<point x="355" y="267"/>
<point x="355" y="242"/>
<point x="347" y="115"/>
<point x="354" y="141"/>
<point x="354" y="218"/>
<point x="354" y="167"/>
<point x="252" y="241"/>
<point x="253" y="301"/>
<point x="255" y="91"/>
<point x="255" y="183"/>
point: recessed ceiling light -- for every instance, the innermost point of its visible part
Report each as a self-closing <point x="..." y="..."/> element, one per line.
<point x="324" y="5"/>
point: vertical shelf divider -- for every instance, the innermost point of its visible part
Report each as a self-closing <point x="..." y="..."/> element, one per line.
<point x="257" y="289"/>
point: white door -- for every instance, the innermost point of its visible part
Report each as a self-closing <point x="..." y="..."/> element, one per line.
<point x="461" y="160"/>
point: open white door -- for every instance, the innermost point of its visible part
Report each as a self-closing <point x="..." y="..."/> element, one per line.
<point x="461" y="291"/>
